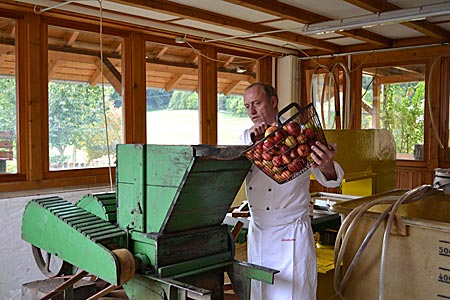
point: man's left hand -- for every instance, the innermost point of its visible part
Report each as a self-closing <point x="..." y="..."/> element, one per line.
<point x="323" y="158"/>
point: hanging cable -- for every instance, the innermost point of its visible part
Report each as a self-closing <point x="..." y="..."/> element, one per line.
<point x="105" y="117"/>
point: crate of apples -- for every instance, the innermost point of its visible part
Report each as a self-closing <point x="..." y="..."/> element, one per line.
<point x="285" y="151"/>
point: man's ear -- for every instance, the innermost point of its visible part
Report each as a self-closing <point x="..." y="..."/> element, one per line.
<point x="274" y="102"/>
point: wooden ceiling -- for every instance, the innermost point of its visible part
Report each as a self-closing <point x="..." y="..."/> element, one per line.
<point x="268" y="28"/>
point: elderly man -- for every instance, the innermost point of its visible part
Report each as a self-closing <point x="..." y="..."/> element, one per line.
<point x="280" y="234"/>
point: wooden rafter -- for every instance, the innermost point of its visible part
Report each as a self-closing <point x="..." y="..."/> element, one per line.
<point x="71" y="38"/>
<point x="230" y="87"/>
<point x="296" y="14"/>
<point x="52" y="67"/>
<point x="424" y="27"/>
<point x="228" y="62"/>
<point x="161" y="52"/>
<point x="192" y="13"/>
<point x="173" y="82"/>
<point x="110" y="72"/>
<point x="193" y="58"/>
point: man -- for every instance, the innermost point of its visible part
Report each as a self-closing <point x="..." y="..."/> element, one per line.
<point x="280" y="235"/>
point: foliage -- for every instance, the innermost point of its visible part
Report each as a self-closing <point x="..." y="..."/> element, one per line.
<point x="8" y="104"/>
<point x="157" y="99"/>
<point x="76" y="118"/>
<point x="183" y="100"/>
<point x="234" y="105"/>
<point x="403" y="114"/>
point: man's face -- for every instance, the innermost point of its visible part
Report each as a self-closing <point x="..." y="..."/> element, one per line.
<point x="258" y="108"/>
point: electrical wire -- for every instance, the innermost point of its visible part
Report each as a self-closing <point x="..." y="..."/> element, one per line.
<point x="350" y="223"/>
<point x="105" y="116"/>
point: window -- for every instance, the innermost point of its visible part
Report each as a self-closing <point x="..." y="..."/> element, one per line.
<point x="234" y="75"/>
<point x="328" y="94"/>
<point x="8" y="101"/>
<point x="84" y="98"/>
<point x="393" y="98"/>
<point x="172" y="98"/>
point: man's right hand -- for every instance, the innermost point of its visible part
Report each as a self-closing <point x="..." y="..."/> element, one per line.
<point x="257" y="132"/>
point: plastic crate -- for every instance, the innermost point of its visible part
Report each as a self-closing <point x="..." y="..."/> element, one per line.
<point x="285" y="151"/>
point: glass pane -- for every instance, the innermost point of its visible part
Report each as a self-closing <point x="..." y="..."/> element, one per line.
<point x="85" y="108"/>
<point x="8" y="101"/>
<point x="394" y="99"/>
<point x="172" y="99"/>
<point x="234" y="74"/>
<point x="329" y="101"/>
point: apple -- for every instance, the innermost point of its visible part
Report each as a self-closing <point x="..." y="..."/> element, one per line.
<point x="268" y="164"/>
<point x="269" y="130"/>
<point x="277" y="161"/>
<point x="309" y="132"/>
<point x="293" y="153"/>
<point x="286" y="175"/>
<point x="303" y="150"/>
<point x="301" y="139"/>
<point x="258" y="163"/>
<point x="290" y="141"/>
<point x="257" y="153"/>
<point x="278" y="178"/>
<point x="277" y="170"/>
<point x="286" y="159"/>
<point x="296" y="165"/>
<point x="292" y="128"/>
<point x="279" y="135"/>
<point x="267" y="156"/>
<point x="283" y="148"/>
<point x="268" y="143"/>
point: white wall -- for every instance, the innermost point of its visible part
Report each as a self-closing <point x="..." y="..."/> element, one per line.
<point x="288" y="80"/>
<point x="17" y="264"/>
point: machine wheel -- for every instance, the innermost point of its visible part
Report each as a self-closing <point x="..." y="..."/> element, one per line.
<point x="50" y="265"/>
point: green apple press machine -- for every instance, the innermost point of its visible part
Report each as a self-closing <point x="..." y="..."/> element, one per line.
<point x="161" y="234"/>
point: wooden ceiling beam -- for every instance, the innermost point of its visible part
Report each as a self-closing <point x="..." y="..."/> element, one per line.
<point x="192" y="59"/>
<point x="173" y="82"/>
<point x="192" y="13"/>
<point x="52" y="67"/>
<point x="228" y="61"/>
<point x="71" y="38"/>
<point x="289" y="12"/>
<point x="96" y="77"/>
<point x="111" y="74"/>
<point x="424" y="27"/>
<point x="161" y="52"/>
<point x="230" y="87"/>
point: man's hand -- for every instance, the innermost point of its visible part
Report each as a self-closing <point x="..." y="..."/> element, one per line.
<point x="323" y="158"/>
<point x="257" y="132"/>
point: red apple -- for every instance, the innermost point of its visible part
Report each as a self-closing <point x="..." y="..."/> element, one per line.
<point x="279" y="135"/>
<point x="292" y="128"/>
<point x="277" y="161"/>
<point x="296" y="165"/>
<point x="303" y="150"/>
<point x="267" y="156"/>
<point x="283" y="148"/>
<point x="286" y="175"/>
<point x="309" y="132"/>
<point x="268" y="143"/>
<point x="286" y="159"/>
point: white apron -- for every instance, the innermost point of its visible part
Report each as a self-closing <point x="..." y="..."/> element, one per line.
<point x="280" y="235"/>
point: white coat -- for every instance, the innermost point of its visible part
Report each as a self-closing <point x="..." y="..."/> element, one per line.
<point x="280" y="235"/>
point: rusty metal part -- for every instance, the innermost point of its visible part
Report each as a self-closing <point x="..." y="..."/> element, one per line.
<point x="43" y="260"/>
